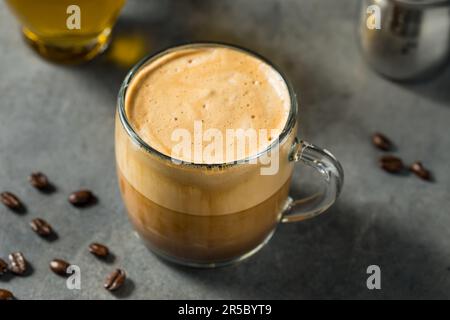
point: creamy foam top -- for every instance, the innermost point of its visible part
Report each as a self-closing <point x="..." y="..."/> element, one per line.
<point x="192" y="90"/>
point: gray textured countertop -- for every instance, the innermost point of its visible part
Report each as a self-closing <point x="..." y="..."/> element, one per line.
<point x="60" y="120"/>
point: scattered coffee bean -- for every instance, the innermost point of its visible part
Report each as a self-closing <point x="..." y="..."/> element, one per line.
<point x="41" y="227"/>
<point x="3" y="267"/>
<point x="81" y="198"/>
<point x="381" y="141"/>
<point x="98" y="250"/>
<point x="115" y="280"/>
<point x="419" y="170"/>
<point x="18" y="264"/>
<point x="6" y="295"/>
<point x="391" y="164"/>
<point x="59" y="267"/>
<point x="11" y="201"/>
<point x="39" y="180"/>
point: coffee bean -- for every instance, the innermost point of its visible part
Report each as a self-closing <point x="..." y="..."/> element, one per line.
<point x="39" y="180"/>
<point x="115" y="280"/>
<point x="419" y="170"/>
<point x="98" y="250"/>
<point x="59" y="267"/>
<point x="41" y="227"/>
<point x="3" y="267"/>
<point x="18" y="264"/>
<point x="6" y="295"/>
<point x="381" y="141"/>
<point x="391" y="164"/>
<point x="11" y="201"/>
<point x="81" y="198"/>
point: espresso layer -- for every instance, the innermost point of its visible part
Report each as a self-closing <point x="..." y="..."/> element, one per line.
<point x="196" y="238"/>
<point x="215" y="88"/>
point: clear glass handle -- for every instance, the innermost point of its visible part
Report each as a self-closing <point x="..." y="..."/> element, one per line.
<point x="332" y="173"/>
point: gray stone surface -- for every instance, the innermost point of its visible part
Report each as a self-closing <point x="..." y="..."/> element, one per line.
<point x="60" y="120"/>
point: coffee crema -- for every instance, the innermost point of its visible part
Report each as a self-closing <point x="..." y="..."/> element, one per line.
<point x="217" y="87"/>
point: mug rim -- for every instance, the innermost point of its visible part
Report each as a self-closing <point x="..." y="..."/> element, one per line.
<point x="134" y="136"/>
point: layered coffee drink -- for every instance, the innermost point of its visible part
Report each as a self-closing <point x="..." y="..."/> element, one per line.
<point x="196" y="204"/>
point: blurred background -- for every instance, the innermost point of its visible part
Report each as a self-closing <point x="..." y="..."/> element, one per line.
<point x="59" y="120"/>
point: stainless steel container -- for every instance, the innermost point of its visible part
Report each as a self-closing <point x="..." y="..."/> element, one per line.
<point x="411" y="39"/>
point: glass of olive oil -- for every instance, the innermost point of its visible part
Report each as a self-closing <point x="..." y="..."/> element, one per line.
<point x="67" y="31"/>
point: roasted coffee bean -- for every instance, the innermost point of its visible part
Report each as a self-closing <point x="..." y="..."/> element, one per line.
<point x="41" y="227"/>
<point x="11" y="201"/>
<point x="59" y="267"/>
<point x="419" y="170"/>
<point x="81" y="198"/>
<point x="391" y="164"/>
<point x="39" y="180"/>
<point x="6" y="295"/>
<point x="18" y="264"/>
<point x="3" y="267"/>
<point x="115" y="280"/>
<point x="381" y="141"/>
<point x="98" y="250"/>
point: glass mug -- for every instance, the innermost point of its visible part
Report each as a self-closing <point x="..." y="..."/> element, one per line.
<point x="67" y="31"/>
<point x="209" y="215"/>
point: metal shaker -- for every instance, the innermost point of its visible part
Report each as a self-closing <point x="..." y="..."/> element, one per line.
<point x="411" y="40"/>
